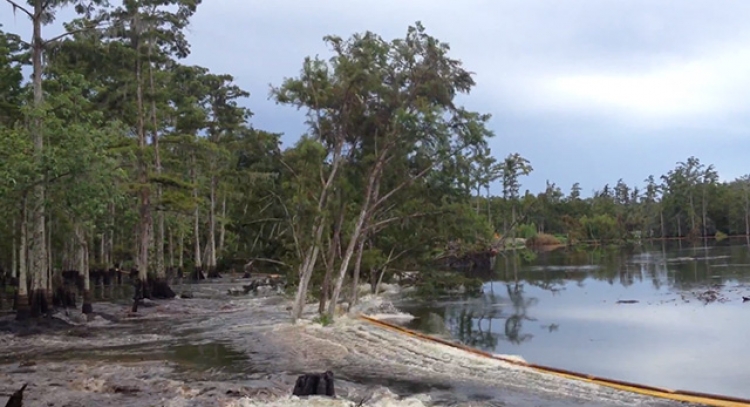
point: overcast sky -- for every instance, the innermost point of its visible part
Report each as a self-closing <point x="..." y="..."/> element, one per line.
<point x="589" y="91"/>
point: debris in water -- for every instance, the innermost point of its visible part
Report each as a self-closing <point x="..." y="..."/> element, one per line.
<point x="627" y="302"/>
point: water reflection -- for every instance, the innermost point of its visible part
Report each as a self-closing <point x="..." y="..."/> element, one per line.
<point x="671" y="328"/>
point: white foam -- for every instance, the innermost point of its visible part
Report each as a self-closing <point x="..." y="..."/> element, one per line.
<point x="515" y="358"/>
<point x="399" y="317"/>
<point x="380" y="398"/>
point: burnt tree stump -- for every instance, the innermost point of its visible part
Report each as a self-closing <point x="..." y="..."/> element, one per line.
<point x="315" y="384"/>
<point x="16" y="400"/>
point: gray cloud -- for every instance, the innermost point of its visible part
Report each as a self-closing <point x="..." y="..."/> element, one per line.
<point x="590" y="91"/>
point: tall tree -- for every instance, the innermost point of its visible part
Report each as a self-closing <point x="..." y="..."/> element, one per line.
<point x="153" y="30"/>
<point x="393" y="102"/>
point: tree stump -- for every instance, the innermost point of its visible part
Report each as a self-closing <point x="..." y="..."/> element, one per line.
<point x="315" y="384"/>
<point x="16" y="400"/>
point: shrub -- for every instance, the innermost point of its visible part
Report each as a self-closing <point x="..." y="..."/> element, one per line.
<point x="526" y="231"/>
<point x="543" y="239"/>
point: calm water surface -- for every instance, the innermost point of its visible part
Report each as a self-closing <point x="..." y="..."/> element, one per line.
<point x="562" y="310"/>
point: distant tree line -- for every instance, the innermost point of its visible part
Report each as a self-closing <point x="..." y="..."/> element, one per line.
<point x="688" y="202"/>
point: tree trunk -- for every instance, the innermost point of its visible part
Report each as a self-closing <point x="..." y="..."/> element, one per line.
<point x="371" y="200"/>
<point x="306" y="269"/>
<point x="111" y="236"/>
<point x="23" y="311"/>
<point x="222" y="226"/>
<point x="692" y="213"/>
<point x="661" y="219"/>
<point x="355" y="278"/>
<point x="181" y="252"/>
<point x="376" y="289"/>
<point x="102" y="250"/>
<point x="160" y="268"/>
<point x="703" y="218"/>
<point x="355" y="237"/>
<point x="171" y="248"/>
<point x="311" y="255"/>
<point x="83" y="267"/>
<point x="14" y="251"/>
<point x="334" y="250"/>
<point x="512" y="230"/>
<point x="159" y="241"/>
<point x="145" y="222"/>
<point x="478" y="198"/>
<point x="196" y="218"/>
<point x="212" y="228"/>
<point x="204" y="254"/>
<point x="50" y="263"/>
<point x="489" y="209"/>
<point x="38" y="252"/>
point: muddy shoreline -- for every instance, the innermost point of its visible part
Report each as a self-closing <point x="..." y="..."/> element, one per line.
<point x="217" y="350"/>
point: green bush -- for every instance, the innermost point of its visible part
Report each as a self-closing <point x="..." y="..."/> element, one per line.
<point x="526" y="231"/>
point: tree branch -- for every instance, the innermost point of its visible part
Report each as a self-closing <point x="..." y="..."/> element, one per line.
<point x="17" y="6"/>
<point x="402" y="185"/>
<point x="281" y="263"/>
<point x="77" y="31"/>
<point x="384" y="222"/>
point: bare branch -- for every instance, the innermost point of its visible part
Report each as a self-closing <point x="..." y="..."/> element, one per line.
<point x="403" y="185"/>
<point x="281" y="263"/>
<point x="17" y="6"/>
<point x="384" y="222"/>
<point x="295" y="236"/>
<point x="69" y="33"/>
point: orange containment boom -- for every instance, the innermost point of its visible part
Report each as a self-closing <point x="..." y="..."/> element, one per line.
<point x="678" y="395"/>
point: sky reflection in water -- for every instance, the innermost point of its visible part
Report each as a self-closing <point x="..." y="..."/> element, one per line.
<point x="563" y="315"/>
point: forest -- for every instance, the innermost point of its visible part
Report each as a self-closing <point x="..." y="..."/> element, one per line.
<point x="116" y="156"/>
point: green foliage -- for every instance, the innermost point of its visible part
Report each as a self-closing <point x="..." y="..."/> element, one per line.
<point x="324" y="320"/>
<point x="527" y="231"/>
<point x="602" y="227"/>
<point x="434" y="284"/>
<point x="11" y="78"/>
<point x="390" y="157"/>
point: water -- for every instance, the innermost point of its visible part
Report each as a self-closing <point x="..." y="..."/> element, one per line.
<point x="216" y="349"/>
<point x="688" y="329"/>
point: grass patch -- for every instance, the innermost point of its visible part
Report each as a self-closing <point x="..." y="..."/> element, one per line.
<point x="562" y="238"/>
<point x="324" y="320"/>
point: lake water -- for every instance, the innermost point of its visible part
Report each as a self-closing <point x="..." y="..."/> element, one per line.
<point x="688" y="330"/>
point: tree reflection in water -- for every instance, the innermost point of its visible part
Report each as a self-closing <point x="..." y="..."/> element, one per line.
<point x="511" y="289"/>
<point x="514" y="323"/>
<point x="476" y="323"/>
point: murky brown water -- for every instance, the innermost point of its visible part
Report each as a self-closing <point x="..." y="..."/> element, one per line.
<point x="217" y="350"/>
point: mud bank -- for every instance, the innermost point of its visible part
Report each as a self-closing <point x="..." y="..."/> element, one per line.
<point x="216" y="350"/>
